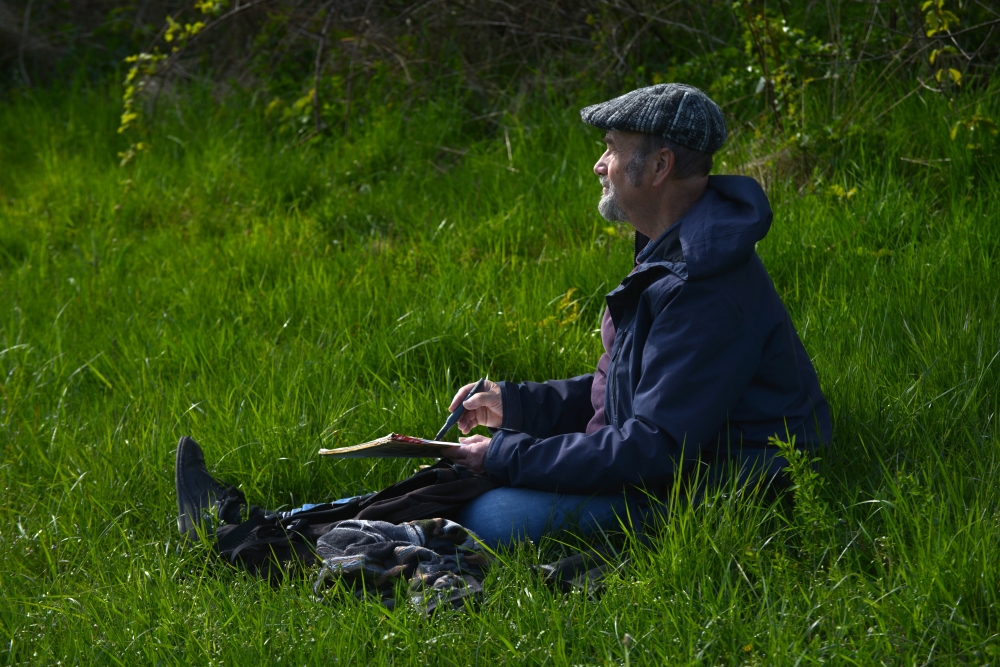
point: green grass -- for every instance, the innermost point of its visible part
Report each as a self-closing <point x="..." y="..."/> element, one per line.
<point x="270" y="299"/>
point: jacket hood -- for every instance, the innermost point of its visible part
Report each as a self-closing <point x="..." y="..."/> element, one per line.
<point x="720" y="231"/>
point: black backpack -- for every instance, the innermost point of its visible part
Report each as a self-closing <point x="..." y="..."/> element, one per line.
<point x="268" y="546"/>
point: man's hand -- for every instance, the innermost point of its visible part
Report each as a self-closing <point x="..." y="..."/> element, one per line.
<point x="483" y="409"/>
<point x="472" y="454"/>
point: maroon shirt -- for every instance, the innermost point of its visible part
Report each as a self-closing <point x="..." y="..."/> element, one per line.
<point x="599" y="388"/>
<point x="600" y="385"/>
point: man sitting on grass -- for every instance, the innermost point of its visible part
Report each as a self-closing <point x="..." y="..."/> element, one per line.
<point x="701" y="363"/>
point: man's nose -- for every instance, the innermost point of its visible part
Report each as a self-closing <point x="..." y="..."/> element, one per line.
<point x="601" y="168"/>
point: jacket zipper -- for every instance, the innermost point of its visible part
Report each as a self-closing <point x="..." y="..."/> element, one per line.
<point x="613" y="374"/>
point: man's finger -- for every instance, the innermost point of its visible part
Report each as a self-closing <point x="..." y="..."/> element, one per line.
<point x="489" y="399"/>
<point x="467" y="421"/>
<point x="481" y="400"/>
<point x="459" y="395"/>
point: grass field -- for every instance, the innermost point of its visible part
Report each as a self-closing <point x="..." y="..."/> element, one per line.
<point x="271" y="299"/>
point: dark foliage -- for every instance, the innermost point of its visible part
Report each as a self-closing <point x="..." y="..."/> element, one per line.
<point x="318" y="65"/>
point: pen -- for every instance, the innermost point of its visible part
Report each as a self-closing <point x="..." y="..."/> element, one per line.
<point x="460" y="410"/>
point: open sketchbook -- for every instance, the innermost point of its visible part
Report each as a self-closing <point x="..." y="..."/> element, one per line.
<point x="393" y="446"/>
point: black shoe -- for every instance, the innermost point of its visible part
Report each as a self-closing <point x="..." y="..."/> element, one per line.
<point x="581" y="571"/>
<point x="200" y="497"/>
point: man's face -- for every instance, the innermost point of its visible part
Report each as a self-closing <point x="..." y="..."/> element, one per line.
<point x="619" y="189"/>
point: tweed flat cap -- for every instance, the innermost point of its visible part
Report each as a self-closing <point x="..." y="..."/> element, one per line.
<point x="675" y="111"/>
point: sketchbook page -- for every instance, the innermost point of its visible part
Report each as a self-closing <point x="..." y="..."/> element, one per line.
<point x="394" y="446"/>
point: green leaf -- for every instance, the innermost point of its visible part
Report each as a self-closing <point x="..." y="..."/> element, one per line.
<point x="984" y="123"/>
<point x="942" y="51"/>
<point x="933" y="23"/>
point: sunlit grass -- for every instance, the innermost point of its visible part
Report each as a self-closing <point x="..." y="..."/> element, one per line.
<point x="270" y="300"/>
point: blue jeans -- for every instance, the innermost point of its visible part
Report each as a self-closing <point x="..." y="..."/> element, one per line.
<point x="506" y="515"/>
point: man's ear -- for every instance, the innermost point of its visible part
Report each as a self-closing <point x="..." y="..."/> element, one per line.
<point x="664" y="166"/>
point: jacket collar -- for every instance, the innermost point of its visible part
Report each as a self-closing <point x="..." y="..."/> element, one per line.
<point x="718" y="234"/>
<point x="663" y="254"/>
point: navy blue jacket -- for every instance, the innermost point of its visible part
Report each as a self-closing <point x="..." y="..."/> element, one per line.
<point x="706" y="366"/>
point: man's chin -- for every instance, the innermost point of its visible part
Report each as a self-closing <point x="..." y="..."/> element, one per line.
<point x="610" y="210"/>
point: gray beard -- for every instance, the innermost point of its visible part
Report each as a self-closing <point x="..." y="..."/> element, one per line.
<point x="609" y="208"/>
